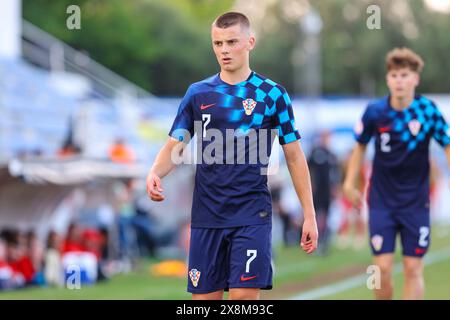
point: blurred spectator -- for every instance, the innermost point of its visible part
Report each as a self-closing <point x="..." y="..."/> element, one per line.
<point x="92" y="242"/>
<point x="120" y="152"/>
<point x="323" y="167"/>
<point x="67" y="151"/>
<point x="105" y="252"/>
<point x="352" y="217"/>
<point x="104" y="266"/>
<point x="6" y="273"/>
<point x="16" y="257"/>
<point x="145" y="231"/>
<point x="73" y="241"/>
<point x="53" y="271"/>
<point x="81" y="256"/>
<point x="69" y="148"/>
<point x="276" y="189"/>
<point x="125" y="207"/>
<point x="35" y="252"/>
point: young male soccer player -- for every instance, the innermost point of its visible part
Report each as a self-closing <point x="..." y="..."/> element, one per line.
<point x="230" y="246"/>
<point x="403" y="124"/>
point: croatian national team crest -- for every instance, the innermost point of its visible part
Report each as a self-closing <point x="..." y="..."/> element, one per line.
<point x="377" y="242"/>
<point x="249" y="105"/>
<point x="194" y="274"/>
<point x="414" y="126"/>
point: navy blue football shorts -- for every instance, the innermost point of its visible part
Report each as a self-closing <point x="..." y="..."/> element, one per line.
<point x="412" y="225"/>
<point x="238" y="257"/>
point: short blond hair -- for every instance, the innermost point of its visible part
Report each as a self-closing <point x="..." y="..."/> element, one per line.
<point x="404" y="58"/>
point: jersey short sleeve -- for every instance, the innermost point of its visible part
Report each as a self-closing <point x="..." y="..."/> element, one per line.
<point x="441" y="132"/>
<point x="183" y="125"/>
<point x="365" y="127"/>
<point x="284" y="119"/>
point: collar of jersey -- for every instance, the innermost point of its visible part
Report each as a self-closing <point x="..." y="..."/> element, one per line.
<point x="413" y="103"/>
<point x="239" y="84"/>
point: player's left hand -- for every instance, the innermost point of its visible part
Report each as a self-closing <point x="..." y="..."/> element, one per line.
<point x="310" y="235"/>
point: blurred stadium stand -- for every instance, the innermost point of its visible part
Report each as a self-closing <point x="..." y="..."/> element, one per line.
<point x="35" y="114"/>
<point x="52" y="94"/>
<point x="55" y="85"/>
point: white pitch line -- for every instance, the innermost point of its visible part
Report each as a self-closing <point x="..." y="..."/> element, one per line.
<point x="352" y="282"/>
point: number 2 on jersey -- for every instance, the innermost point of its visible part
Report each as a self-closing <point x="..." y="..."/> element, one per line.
<point x="385" y="139"/>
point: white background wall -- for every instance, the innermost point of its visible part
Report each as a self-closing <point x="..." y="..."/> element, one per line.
<point x="10" y="28"/>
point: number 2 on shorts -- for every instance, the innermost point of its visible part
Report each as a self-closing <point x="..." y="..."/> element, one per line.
<point x="424" y="232"/>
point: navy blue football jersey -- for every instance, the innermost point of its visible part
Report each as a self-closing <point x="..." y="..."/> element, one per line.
<point x="400" y="174"/>
<point x="231" y="191"/>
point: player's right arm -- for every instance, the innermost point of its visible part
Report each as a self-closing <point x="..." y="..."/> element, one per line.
<point x="180" y="134"/>
<point x="162" y="166"/>
<point x="353" y="170"/>
<point x="364" y="131"/>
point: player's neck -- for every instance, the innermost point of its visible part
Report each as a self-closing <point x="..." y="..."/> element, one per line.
<point x="401" y="103"/>
<point x="235" y="76"/>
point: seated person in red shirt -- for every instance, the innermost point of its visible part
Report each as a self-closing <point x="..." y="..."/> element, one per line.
<point x="73" y="241"/>
<point x="17" y="259"/>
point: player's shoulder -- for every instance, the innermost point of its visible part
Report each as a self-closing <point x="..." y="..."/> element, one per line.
<point x="378" y="103"/>
<point x="376" y="106"/>
<point x="425" y="102"/>
<point x="270" y="88"/>
<point x="203" y="85"/>
<point x="267" y="84"/>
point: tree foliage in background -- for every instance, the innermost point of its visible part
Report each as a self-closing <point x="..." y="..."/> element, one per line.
<point x="164" y="46"/>
<point x="354" y="56"/>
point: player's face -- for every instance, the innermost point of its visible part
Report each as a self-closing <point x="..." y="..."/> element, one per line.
<point x="402" y="82"/>
<point x="232" y="47"/>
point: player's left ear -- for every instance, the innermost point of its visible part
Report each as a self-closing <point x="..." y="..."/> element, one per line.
<point x="251" y="42"/>
<point x="416" y="78"/>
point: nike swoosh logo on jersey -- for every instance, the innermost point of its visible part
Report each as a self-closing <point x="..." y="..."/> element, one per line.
<point x="247" y="278"/>
<point x="203" y="107"/>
